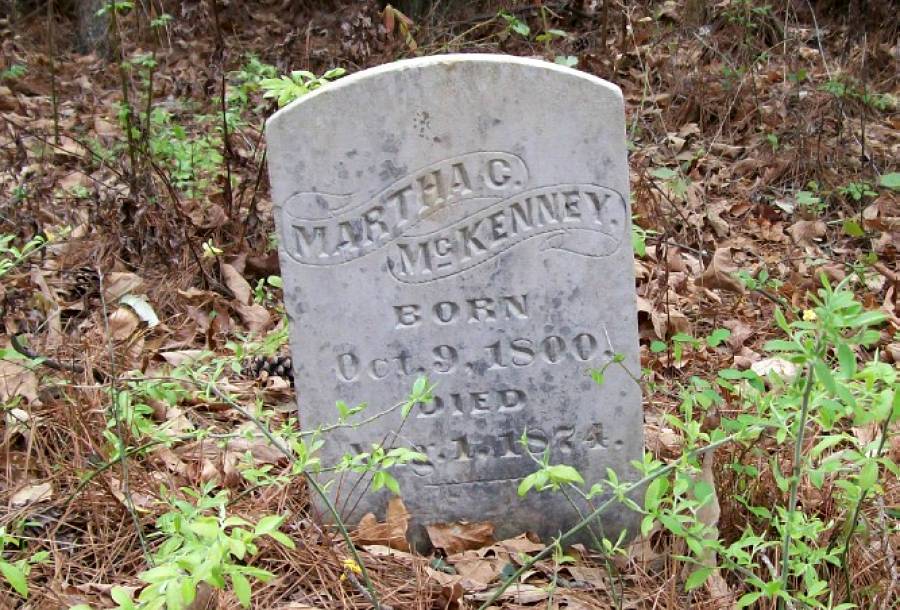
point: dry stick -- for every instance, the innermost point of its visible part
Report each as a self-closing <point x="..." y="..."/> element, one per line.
<point x="51" y="53"/>
<point x="369" y="590"/>
<point x="126" y="488"/>
<point x="115" y="33"/>
<point x="659" y="472"/>
<point x="227" y="153"/>
<point x="885" y="431"/>
<point x="889" y="552"/>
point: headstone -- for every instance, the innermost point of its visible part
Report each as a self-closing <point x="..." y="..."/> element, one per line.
<point x="463" y="217"/>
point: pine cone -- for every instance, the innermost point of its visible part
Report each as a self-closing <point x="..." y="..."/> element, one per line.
<point x="84" y="281"/>
<point x="279" y="365"/>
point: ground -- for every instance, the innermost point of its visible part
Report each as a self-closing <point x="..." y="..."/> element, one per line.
<point x="140" y="282"/>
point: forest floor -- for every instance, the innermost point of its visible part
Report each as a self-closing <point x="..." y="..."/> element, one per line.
<point x="764" y="149"/>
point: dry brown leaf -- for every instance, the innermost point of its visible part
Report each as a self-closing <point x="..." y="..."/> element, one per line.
<point x="255" y="317"/>
<point x="718" y="273"/>
<point x="391" y="533"/>
<point x="16" y="380"/>
<point x="783" y="368"/>
<point x="104" y="128"/>
<point x="140" y="501"/>
<point x="517" y="593"/>
<point x="454" y="538"/>
<point x="586" y="574"/>
<point x="236" y="283"/>
<point x="740" y="332"/>
<point x="122" y="323"/>
<point x="69" y="147"/>
<point x="713" y="216"/>
<point x="380" y="550"/>
<point x="179" y="357"/>
<point x="120" y="283"/>
<point x="478" y="570"/>
<point x="803" y="232"/>
<point x="31" y="494"/>
<point x="669" y="323"/>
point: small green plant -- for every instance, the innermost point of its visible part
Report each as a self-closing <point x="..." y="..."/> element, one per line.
<point x="811" y="416"/>
<point x="297" y="84"/>
<point x="810" y="200"/>
<point x="675" y="180"/>
<point x="761" y="281"/>
<point x="201" y="543"/>
<point x="857" y="191"/>
<point x="248" y="80"/>
<point x="13" y="72"/>
<point x="16" y="573"/>
<point x="514" y="24"/>
<point x="11" y="256"/>
<point x="843" y="88"/>
<point x="570" y="61"/>
<point x="261" y="292"/>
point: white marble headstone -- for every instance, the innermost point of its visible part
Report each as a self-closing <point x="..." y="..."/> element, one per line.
<point x="463" y="217"/>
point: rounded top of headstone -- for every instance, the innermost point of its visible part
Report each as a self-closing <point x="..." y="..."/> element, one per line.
<point x="450" y="61"/>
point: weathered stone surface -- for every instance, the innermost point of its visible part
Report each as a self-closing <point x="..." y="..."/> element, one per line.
<point x="464" y="217"/>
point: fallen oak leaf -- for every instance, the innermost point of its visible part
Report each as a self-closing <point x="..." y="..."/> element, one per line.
<point x="31" y="494"/>
<point x="391" y="533"/>
<point x="454" y="538"/>
<point x="236" y="283"/>
<point x="803" y="232"/>
<point x="718" y="273"/>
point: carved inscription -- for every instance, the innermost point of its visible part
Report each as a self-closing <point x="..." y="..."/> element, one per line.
<point x="346" y="227"/>
<point x="452" y="216"/>
<point x="581" y="219"/>
<point x="457" y="407"/>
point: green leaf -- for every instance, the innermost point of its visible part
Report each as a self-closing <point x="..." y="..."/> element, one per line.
<point x="80" y="607"/>
<point x="847" y="360"/>
<point x="717" y="336"/>
<point x="823" y="372"/>
<point x="268" y="524"/>
<point x="852" y="228"/>
<point x="569" y="61"/>
<point x="868" y="475"/>
<point x="122" y="596"/>
<point x="282" y="539"/>
<point x="15" y="577"/>
<point x="159" y="574"/>
<point x="657" y="346"/>
<point x="419" y="386"/>
<point x="526" y="484"/>
<point x="654" y="491"/>
<point x="241" y="588"/>
<point x="748" y="598"/>
<point x="664" y="173"/>
<point x="697" y="578"/>
<point x="391" y="483"/>
<point x="891" y="181"/>
<point x="563" y="473"/>
<point x="205" y="528"/>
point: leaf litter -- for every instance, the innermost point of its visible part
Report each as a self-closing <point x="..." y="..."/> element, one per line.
<point x="715" y="179"/>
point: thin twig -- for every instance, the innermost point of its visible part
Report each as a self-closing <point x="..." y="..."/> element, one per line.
<point x="120" y="432"/>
